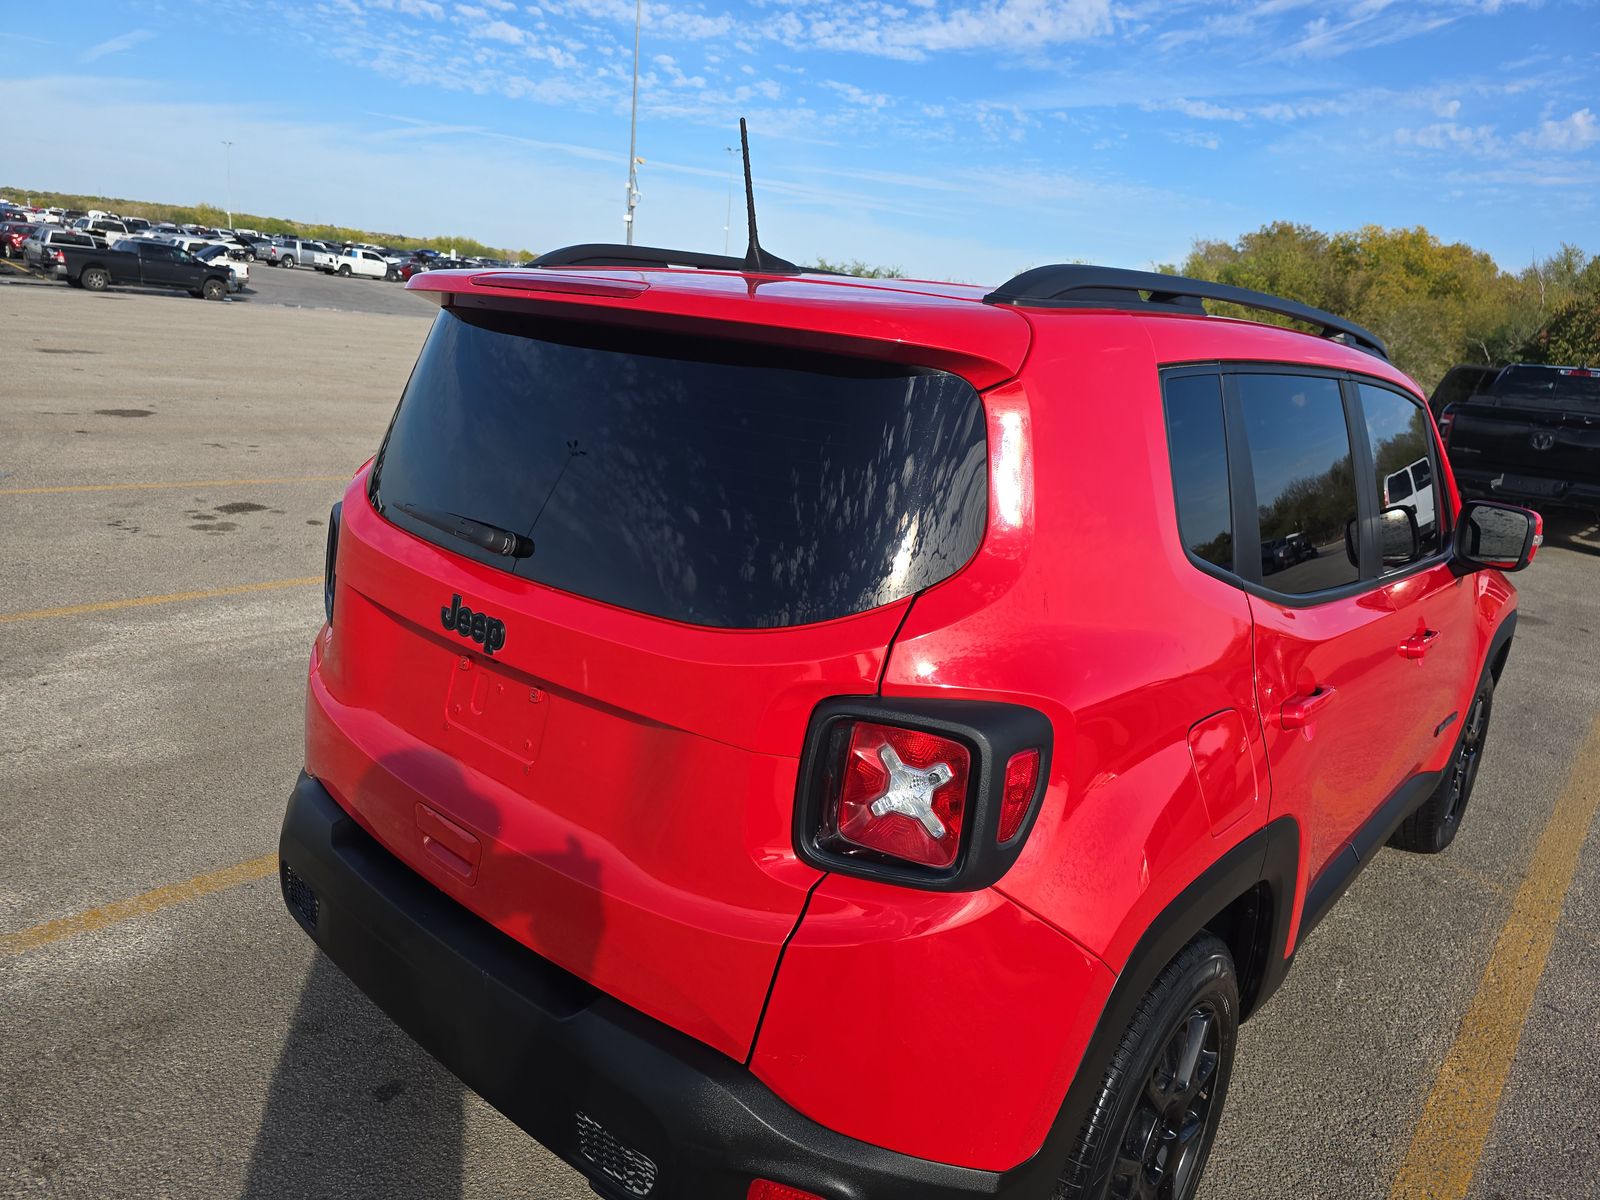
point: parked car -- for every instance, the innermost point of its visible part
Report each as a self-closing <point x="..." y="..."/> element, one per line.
<point x="1531" y="435"/>
<point x="792" y="735"/>
<point x="141" y="263"/>
<point x="107" y="227"/>
<point x="13" y="234"/>
<point x="1281" y="553"/>
<point x="39" y="250"/>
<point x="299" y="252"/>
<point x="368" y="263"/>
<point x="217" y="255"/>
<point x="410" y="267"/>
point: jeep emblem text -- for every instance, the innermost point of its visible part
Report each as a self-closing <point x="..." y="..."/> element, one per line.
<point x="489" y="632"/>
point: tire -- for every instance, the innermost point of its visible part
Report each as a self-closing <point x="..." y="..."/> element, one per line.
<point x="214" y="289"/>
<point x="287" y="261"/>
<point x="344" y="269"/>
<point x="1150" y="1130"/>
<point x="250" y="256"/>
<point x="1435" y="825"/>
<point x="95" y="279"/>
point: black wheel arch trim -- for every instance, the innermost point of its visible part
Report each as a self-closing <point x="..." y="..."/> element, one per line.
<point x="1269" y="856"/>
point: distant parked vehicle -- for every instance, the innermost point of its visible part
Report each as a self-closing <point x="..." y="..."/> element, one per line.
<point x="107" y="227"/>
<point x="1411" y="487"/>
<point x="217" y="255"/>
<point x="143" y="264"/>
<point x="297" y="252"/>
<point x="13" y="234"/>
<point x="40" y="249"/>
<point x="361" y="262"/>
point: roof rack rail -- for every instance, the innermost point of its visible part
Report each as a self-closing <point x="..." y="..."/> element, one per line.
<point x="601" y="254"/>
<point x="1068" y="285"/>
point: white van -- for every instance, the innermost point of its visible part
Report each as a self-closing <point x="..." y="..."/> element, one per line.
<point x="1410" y="487"/>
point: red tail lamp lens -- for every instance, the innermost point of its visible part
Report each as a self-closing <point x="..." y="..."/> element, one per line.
<point x="904" y="793"/>
<point x="1022" y="777"/>
<point x="765" y="1189"/>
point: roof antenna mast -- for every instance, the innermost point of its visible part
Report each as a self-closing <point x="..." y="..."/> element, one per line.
<point x="755" y="259"/>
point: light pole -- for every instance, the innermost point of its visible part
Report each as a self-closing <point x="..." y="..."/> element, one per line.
<point x="727" y="222"/>
<point x="633" y="127"/>
<point x="228" y="154"/>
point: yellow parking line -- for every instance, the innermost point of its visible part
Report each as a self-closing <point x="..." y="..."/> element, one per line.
<point x="1460" y="1110"/>
<point x="185" y="483"/>
<point x="137" y="906"/>
<point x="74" y="610"/>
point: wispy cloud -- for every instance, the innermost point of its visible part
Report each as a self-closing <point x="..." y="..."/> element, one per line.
<point x="116" y="45"/>
<point x="1576" y="132"/>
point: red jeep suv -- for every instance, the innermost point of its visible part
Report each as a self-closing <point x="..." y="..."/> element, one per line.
<point x="780" y="735"/>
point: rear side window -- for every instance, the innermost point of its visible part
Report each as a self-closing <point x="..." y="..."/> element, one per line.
<point x="703" y="481"/>
<point x="1304" y="480"/>
<point x="1198" y="441"/>
<point x="1397" y="431"/>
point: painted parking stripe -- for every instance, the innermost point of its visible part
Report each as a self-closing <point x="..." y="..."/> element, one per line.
<point x="142" y="905"/>
<point x="63" y="489"/>
<point x="1460" y="1109"/>
<point x="75" y="610"/>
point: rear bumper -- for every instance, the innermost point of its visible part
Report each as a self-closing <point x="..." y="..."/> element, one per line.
<point x="594" y="1080"/>
<point x="1535" y="492"/>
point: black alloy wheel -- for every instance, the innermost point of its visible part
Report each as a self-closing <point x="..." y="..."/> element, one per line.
<point x="1164" y="1144"/>
<point x="1437" y="821"/>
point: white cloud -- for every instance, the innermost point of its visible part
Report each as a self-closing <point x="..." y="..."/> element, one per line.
<point x="116" y="45"/>
<point x="1448" y="135"/>
<point x="1576" y="132"/>
<point x="857" y="96"/>
<point x="499" y="31"/>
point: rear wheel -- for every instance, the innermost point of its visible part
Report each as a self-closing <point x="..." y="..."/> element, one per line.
<point x="287" y="261"/>
<point x="1435" y="825"/>
<point x="213" y="289"/>
<point x="95" y="279"/>
<point x="344" y="269"/>
<point x="1150" y="1129"/>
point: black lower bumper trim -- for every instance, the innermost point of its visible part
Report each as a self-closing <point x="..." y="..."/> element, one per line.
<point x="543" y="1046"/>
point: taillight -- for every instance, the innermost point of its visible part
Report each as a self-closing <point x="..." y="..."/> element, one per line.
<point x="1446" y="419"/>
<point x="765" y="1189"/>
<point x="903" y="793"/>
<point x="331" y="559"/>
<point x="1022" y="780"/>
<point x="933" y="793"/>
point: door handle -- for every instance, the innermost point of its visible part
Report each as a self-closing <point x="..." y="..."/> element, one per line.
<point x="1418" y="644"/>
<point x="1298" y="711"/>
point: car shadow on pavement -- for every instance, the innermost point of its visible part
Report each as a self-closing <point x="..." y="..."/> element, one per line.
<point x="356" y="1108"/>
<point x="1573" y="529"/>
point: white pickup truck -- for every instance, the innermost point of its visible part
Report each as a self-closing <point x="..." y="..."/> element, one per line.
<point x="359" y="261"/>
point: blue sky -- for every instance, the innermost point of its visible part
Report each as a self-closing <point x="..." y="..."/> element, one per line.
<point x="959" y="139"/>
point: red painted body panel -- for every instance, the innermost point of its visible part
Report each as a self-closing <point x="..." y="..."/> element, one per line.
<point x="890" y="1003"/>
<point x="632" y="820"/>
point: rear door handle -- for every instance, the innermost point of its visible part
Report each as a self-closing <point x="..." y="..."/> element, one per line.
<point x="1298" y="711"/>
<point x="1418" y="644"/>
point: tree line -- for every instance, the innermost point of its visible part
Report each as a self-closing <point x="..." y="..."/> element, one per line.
<point x="1435" y="304"/>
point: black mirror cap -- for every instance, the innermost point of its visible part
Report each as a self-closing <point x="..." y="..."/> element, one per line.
<point x="330" y="559"/>
<point x="1490" y="535"/>
<point x="991" y="730"/>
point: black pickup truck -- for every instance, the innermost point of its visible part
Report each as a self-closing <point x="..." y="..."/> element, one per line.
<point x="142" y="264"/>
<point x="1531" y="434"/>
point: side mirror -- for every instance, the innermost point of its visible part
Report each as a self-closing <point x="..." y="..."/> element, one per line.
<point x="1398" y="536"/>
<point x="1502" y="536"/>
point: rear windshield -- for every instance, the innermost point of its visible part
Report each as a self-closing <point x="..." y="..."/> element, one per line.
<point x="1548" y="387"/>
<point x="710" y="482"/>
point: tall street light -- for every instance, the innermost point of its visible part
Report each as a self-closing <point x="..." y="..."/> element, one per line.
<point x="228" y="154"/>
<point x="633" y="127"/>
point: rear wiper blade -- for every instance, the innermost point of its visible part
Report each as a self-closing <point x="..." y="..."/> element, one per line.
<point x="480" y="533"/>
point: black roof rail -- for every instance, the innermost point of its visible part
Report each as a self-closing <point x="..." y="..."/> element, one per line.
<point x="1068" y="285"/>
<point x="601" y="254"/>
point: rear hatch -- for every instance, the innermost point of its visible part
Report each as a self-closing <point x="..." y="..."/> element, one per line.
<point x="1539" y="426"/>
<point x="594" y="744"/>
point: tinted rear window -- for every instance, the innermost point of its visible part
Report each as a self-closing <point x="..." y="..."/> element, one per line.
<point x="1552" y="387"/>
<point x="704" y="481"/>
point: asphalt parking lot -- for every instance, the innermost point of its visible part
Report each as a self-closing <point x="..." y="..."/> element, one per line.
<point x="166" y="1030"/>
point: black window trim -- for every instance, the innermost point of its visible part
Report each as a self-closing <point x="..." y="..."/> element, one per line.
<point x="1246" y="574"/>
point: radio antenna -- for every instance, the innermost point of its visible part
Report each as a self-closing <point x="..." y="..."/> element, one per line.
<point x="757" y="260"/>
